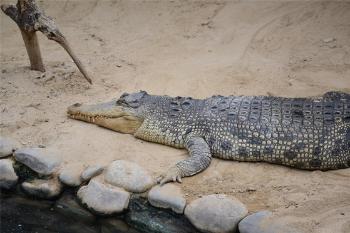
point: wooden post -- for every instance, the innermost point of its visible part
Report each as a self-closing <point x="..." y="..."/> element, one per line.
<point x="32" y="45"/>
<point x="30" y="19"/>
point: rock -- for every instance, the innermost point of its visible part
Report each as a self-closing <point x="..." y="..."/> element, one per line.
<point x="261" y="222"/>
<point x="254" y="223"/>
<point x="129" y="176"/>
<point x="8" y="177"/>
<point x="104" y="198"/>
<point x="24" y="173"/>
<point x="7" y="146"/>
<point x="167" y="196"/>
<point x="39" y="160"/>
<point x="91" y="171"/>
<point x="70" y="177"/>
<point x="215" y="213"/>
<point x="146" y="218"/>
<point x="46" y="189"/>
<point x="68" y="206"/>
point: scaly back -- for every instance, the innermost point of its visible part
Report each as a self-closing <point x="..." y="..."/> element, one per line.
<point x="308" y="133"/>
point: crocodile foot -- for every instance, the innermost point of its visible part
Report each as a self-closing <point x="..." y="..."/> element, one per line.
<point x="172" y="175"/>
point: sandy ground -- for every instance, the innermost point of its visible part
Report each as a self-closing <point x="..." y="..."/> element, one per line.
<point x="185" y="48"/>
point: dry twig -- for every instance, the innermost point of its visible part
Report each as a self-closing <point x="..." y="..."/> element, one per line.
<point x="29" y="18"/>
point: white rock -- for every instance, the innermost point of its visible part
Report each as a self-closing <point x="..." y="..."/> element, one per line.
<point x="39" y="160"/>
<point x="263" y="222"/>
<point x="70" y="176"/>
<point x="46" y="189"/>
<point x="104" y="198"/>
<point x="7" y="146"/>
<point x="91" y="171"/>
<point x="167" y="196"/>
<point x="8" y="177"/>
<point x="129" y="176"/>
<point x="215" y="213"/>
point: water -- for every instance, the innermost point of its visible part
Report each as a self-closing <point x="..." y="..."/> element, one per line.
<point x="18" y="214"/>
<point x="22" y="215"/>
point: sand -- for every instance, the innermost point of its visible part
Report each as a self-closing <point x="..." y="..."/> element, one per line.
<point x="185" y="48"/>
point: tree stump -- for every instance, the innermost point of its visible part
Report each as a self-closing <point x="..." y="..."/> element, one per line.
<point x="29" y="18"/>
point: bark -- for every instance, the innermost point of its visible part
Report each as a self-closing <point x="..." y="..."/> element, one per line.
<point x="32" y="45"/>
<point x="29" y="18"/>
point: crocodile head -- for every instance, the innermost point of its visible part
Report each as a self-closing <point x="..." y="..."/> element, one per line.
<point x="124" y="115"/>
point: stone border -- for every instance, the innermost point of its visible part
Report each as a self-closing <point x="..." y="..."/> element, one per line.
<point x="123" y="190"/>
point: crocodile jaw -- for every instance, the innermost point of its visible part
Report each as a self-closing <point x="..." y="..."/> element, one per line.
<point x="107" y="115"/>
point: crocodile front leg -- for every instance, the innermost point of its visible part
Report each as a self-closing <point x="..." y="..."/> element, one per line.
<point x="199" y="160"/>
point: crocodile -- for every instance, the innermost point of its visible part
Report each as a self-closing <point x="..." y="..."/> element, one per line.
<point x="306" y="133"/>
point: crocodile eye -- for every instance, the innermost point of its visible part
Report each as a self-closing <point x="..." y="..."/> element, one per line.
<point x="131" y="100"/>
<point x="131" y="104"/>
<point x="124" y="95"/>
<point x="121" y="101"/>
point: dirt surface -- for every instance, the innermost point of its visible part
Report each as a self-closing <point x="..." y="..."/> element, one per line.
<point x="193" y="49"/>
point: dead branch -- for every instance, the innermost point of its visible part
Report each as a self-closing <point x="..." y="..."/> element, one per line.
<point x="29" y="18"/>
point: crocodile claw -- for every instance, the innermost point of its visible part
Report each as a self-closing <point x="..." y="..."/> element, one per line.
<point x="173" y="175"/>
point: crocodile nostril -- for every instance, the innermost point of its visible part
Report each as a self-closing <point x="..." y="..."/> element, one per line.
<point x="76" y="105"/>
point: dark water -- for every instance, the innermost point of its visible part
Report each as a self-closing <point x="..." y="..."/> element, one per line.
<point x="21" y="215"/>
<point x="18" y="214"/>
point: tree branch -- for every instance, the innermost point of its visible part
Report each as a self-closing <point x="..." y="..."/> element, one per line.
<point x="30" y="19"/>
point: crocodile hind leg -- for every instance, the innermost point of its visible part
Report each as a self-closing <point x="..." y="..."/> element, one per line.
<point x="199" y="160"/>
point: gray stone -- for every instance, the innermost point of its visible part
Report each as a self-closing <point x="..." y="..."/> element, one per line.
<point x="167" y="196"/>
<point x="39" y="160"/>
<point x="46" y="189"/>
<point x="7" y="146"/>
<point x="144" y="217"/>
<point x="68" y="206"/>
<point x="215" y="213"/>
<point x="25" y="173"/>
<point x="129" y="176"/>
<point x="8" y="177"/>
<point x="262" y="222"/>
<point x="70" y="177"/>
<point x="91" y="171"/>
<point x="104" y="198"/>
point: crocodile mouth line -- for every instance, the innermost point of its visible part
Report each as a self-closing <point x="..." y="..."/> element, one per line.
<point x="89" y="118"/>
